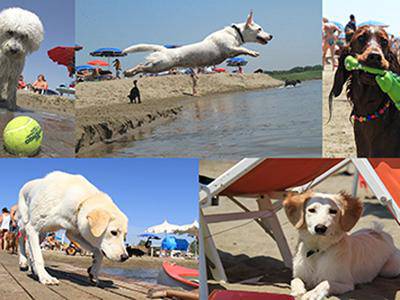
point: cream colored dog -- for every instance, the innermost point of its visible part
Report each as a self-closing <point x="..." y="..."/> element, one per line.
<point x="327" y="259"/>
<point x="70" y="202"/>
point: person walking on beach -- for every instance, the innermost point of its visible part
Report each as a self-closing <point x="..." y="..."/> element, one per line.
<point x="117" y="66"/>
<point x="194" y="78"/>
<point x="329" y="41"/>
<point x="5" y="221"/>
<point x="135" y="93"/>
<point x="350" y="28"/>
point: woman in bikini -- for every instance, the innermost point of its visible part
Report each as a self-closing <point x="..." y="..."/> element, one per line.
<point x="40" y="85"/>
<point x="329" y="38"/>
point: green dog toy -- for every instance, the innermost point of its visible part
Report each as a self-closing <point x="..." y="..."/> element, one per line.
<point x="388" y="81"/>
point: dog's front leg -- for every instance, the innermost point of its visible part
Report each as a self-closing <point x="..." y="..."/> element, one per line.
<point x="12" y="95"/>
<point x="37" y="257"/>
<point x="297" y="287"/>
<point x="96" y="265"/>
<point x="326" y="288"/>
<point x="244" y="51"/>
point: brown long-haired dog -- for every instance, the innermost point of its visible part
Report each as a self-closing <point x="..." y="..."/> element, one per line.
<point x="11" y="242"/>
<point x="328" y="260"/>
<point x="378" y="137"/>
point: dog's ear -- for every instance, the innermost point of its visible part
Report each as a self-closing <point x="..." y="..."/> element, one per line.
<point x="98" y="220"/>
<point x="294" y="207"/>
<point x="341" y="74"/>
<point x="249" y="20"/>
<point x="351" y="209"/>
<point x="394" y="65"/>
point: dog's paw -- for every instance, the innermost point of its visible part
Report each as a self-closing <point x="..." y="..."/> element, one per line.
<point x="297" y="292"/>
<point x="23" y="268"/>
<point x="312" y="295"/>
<point x="254" y="53"/>
<point x="128" y="74"/>
<point x="48" y="280"/>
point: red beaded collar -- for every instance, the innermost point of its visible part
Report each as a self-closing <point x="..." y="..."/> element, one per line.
<point x="376" y="115"/>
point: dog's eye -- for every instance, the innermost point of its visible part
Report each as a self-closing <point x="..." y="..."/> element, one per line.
<point x="10" y="32"/>
<point x="114" y="232"/>
<point x="311" y="210"/>
<point x="333" y="211"/>
<point x="259" y="29"/>
<point x="384" y="43"/>
<point x="362" y="38"/>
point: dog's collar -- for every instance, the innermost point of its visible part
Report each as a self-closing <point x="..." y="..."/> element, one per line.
<point x="374" y="116"/>
<point x="311" y="252"/>
<point x="239" y="32"/>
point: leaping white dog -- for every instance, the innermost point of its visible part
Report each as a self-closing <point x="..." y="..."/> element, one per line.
<point x="21" y="33"/>
<point x="213" y="50"/>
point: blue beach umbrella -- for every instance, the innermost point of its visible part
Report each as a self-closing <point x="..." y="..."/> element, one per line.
<point x="373" y="23"/>
<point x="338" y="25"/>
<point x="150" y="235"/>
<point x="236" y="62"/>
<point x="170" y="46"/>
<point x="83" y="68"/>
<point x="107" y="52"/>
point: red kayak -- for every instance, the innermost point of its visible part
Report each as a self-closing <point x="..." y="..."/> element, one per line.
<point x="176" y="276"/>
<point x="242" y="295"/>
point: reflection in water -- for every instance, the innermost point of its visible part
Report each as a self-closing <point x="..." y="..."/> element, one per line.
<point x="274" y="122"/>
<point x="142" y="274"/>
<point x="58" y="139"/>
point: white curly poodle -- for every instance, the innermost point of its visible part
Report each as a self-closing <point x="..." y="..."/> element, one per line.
<point x="21" y="33"/>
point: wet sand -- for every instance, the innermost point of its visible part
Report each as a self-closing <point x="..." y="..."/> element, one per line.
<point x="338" y="135"/>
<point x="56" y="116"/>
<point x="248" y="252"/>
<point x="104" y="114"/>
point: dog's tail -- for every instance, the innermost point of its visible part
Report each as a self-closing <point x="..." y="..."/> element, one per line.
<point x="143" y="48"/>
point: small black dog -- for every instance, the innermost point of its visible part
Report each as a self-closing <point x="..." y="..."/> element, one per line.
<point x="135" y="93"/>
<point x="134" y="251"/>
<point x="292" y="82"/>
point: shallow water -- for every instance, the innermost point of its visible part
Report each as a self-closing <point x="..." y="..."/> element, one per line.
<point x="142" y="274"/>
<point x="59" y="131"/>
<point x="280" y="122"/>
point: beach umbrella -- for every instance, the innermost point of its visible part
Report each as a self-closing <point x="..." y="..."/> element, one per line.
<point x="373" y="23"/>
<point x="338" y="25"/>
<point x="108" y="52"/>
<point x="98" y="62"/>
<point x="84" y="67"/>
<point x="236" y="62"/>
<point x="64" y="56"/>
<point x="150" y="235"/>
<point x="170" y="46"/>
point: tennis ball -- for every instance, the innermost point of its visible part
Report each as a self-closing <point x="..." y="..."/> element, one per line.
<point x="23" y="136"/>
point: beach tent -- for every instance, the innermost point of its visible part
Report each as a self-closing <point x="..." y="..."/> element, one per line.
<point x="173" y="243"/>
<point x="266" y="179"/>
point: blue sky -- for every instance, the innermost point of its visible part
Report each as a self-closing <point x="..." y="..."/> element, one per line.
<point x="146" y="190"/>
<point x="295" y="25"/>
<point x="384" y="11"/>
<point x="58" y="18"/>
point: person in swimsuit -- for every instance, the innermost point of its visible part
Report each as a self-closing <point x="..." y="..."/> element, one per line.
<point x="5" y="221"/>
<point x="350" y="28"/>
<point x="330" y="33"/>
<point x="40" y="85"/>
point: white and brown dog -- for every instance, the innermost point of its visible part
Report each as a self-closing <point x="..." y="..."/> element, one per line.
<point x="213" y="50"/>
<point x="328" y="260"/>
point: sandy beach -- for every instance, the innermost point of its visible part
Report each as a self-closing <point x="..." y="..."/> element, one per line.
<point x="248" y="252"/>
<point x="104" y="114"/>
<point x="338" y="136"/>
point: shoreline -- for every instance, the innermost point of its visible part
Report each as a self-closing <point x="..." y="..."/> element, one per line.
<point x="104" y="114"/>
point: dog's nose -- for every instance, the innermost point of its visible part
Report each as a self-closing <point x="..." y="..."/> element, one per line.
<point x="13" y="50"/>
<point x="320" y="229"/>
<point x="374" y="58"/>
<point x="124" y="257"/>
<point x="271" y="36"/>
